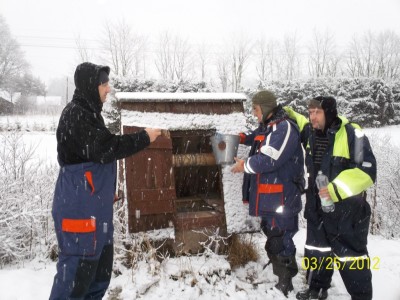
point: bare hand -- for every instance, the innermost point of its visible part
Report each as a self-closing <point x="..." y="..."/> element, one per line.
<point x="153" y="133"/>
<point x="238" y="167"/>
<point x="324" y="193"/>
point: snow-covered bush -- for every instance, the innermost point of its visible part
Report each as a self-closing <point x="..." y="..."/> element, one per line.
<point x="26" y="193"/>
<point x="384" y="196"/>
<point x="368" y="102"/>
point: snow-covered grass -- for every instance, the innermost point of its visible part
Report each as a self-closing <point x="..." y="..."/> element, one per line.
<point x="205" y="277"/>
<point x="196" y="277"/>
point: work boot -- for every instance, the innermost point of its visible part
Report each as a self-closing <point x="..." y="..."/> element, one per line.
<point x="284" y="285"/>
<point x="312" y="293"/>
<point x="285" y="267"/>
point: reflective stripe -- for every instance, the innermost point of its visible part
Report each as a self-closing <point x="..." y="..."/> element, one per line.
<point x="321" y="249"/>
<point x="351" y="258"/>
<point x="343" y="186"/>
<point x="270" y="188"/>
<point x="366" y="164"/>
<point x="247" y="167"/>
<point x="79" y="226"/>
<point x="271" y="151"/>
<point x="279" y="209"/>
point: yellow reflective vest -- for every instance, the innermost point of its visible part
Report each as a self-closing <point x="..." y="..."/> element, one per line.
<point x="351" y="164"/>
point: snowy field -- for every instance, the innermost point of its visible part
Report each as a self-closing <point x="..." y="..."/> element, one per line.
<point x="35" y="278"/>
<point x="191" y="277"/>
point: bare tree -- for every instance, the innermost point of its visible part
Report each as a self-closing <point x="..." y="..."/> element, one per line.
<point x="261" y="59"/>
<point x="203" y="57"/>
<point x="173" y="57"/>
<point x="12" y="62"/>
<point x="164" y="56"/>
<point x="374" y="55"/>
<point x="223" y="71"/>
<point x="265" y="54"/>
<point x="322" y="58"/>
<point x="140" y="56"/>
<point x="387" y="54"/>
<point x="240" y="54"/>
<point x="123" y="48"/>
<point x="182" y="58"/>
<point x="290" y="56"/>
<point x="361" y="58"/>
<point x="83" y="53"/>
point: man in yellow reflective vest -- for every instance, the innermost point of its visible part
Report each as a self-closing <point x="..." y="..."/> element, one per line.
<point x="336" y="238"/>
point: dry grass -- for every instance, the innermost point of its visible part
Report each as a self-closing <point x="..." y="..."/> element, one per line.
<point x="241" y="251"/>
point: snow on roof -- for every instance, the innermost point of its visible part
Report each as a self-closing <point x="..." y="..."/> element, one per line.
<point x="138" y="97"/>
<point x="229" y="124"/>
<point x="6" y="96"/>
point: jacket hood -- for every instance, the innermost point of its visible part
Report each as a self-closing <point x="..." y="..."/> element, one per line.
<point x="87" y="78"/>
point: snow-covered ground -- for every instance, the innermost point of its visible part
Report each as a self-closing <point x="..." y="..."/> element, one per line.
<point x="192" y="277"/>
<point x="207" y="278"/>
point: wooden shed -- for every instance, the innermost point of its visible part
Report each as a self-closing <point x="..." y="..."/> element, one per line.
<point x="175" y="182"/>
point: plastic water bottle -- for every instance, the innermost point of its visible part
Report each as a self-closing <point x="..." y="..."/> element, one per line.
<point x="326" y="203"/>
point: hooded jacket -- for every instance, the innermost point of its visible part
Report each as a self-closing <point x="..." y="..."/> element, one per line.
<point x="82" y="135"/>
<point x="349" y="175"/>
<point x="87" y="152"/>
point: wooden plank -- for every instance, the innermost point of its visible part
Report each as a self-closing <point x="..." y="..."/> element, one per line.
<point x="150" y="222"/>
<point x="198" y="220"/>
<point x="152" y="201"/>
<point x="207" y="108"/>
<point x="150" y="185"/>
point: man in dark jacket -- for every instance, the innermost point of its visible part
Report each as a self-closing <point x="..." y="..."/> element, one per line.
<point x="270" y="185"/>
<point x="85" y="188"/>
<point x="336" y="239"/>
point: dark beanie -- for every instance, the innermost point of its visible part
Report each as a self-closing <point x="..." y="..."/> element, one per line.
<point x="103" y="77"/>
<point x="267" y="102"/>
<point x="328" y="105"/>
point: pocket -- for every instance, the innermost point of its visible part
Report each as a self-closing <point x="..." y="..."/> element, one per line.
<point x="270" y="198"/>
<point x="78" y="237"/>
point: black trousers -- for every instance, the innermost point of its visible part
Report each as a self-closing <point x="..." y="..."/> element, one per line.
<point x="339" y="242"/>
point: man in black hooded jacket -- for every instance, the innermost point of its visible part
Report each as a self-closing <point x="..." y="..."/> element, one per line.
<point x="85" y="188"/>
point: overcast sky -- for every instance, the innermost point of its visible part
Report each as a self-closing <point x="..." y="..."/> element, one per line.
<point x="46" y="29"/>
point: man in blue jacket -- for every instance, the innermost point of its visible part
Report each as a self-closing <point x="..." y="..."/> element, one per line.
<point x="273" y="175"/>
<point x="85" y="188"/>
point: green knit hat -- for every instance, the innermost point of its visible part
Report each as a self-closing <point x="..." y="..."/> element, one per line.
<point x="267" y="102"/>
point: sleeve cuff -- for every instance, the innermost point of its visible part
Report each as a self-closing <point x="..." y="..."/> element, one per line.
<point x="242" y="138"/>
<point x="332" y="192"/>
